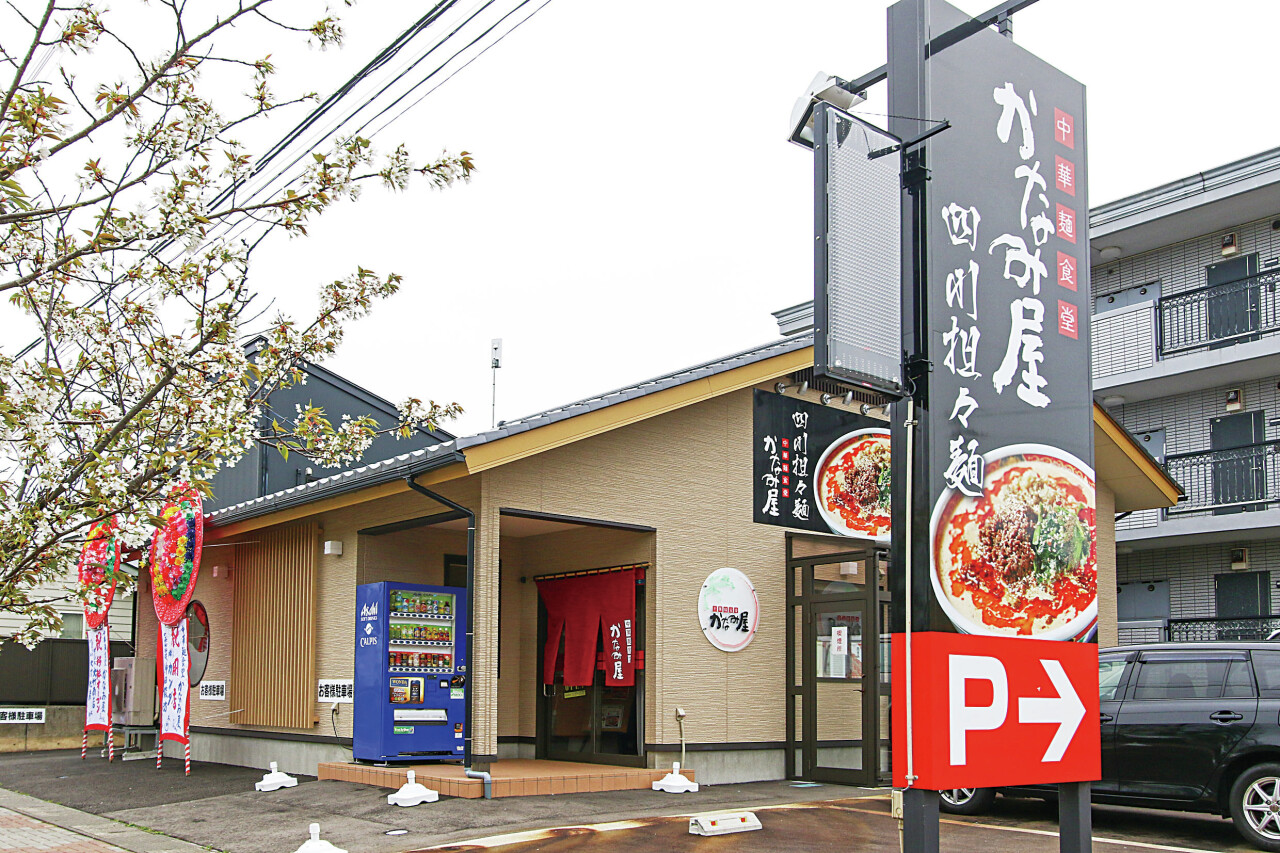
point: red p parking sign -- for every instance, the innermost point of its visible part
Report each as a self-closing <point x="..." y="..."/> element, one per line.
<point x="993" y="711"/>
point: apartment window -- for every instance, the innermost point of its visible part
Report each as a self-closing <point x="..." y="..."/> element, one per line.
<point x="72" y="626"/>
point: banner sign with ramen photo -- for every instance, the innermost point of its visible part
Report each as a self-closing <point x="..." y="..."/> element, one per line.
<point x="819" y="468"/>
<point x="1010" y="432"/>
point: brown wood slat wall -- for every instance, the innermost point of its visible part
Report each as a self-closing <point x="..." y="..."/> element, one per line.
<point x="273" y="634"/>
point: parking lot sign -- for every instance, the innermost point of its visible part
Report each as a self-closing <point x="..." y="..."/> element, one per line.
<point x="993" y="711"/>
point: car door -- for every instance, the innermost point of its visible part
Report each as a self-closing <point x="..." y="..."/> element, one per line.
<point x="1183" y="712"/>
<point x="1113" y="670"/>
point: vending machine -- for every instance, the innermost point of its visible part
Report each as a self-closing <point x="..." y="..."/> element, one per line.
<point x="411" y="672"/>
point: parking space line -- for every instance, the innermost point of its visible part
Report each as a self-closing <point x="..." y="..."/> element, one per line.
<point x="1028" y="831"/>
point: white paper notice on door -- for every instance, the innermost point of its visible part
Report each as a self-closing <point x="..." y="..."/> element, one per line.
<point x="839" y="639"/>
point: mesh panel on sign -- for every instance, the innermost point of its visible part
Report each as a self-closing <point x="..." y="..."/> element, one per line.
<point x="863" y="281"/>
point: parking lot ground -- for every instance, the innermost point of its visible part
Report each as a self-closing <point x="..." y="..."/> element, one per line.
<point x="864" y="826"/>
<point x="137" y="808"/>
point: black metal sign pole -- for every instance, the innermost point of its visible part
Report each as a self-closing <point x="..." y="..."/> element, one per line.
<point x="908" y="33"/>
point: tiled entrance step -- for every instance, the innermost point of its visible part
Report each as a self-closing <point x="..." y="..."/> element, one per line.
<point x="511" y="778"/>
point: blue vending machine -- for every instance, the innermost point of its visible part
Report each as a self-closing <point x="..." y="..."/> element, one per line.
<point x="411" y="672"/>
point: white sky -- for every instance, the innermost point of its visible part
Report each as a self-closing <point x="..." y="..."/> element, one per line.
<point x="637" y="208"/>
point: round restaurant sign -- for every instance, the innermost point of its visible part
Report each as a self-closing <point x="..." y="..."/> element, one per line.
<point x="728" y="610"/>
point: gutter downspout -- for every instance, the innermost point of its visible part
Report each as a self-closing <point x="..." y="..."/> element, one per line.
<point x="471" y="611"/>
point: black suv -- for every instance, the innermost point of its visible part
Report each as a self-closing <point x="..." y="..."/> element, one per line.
<point x="1185" y="726"/>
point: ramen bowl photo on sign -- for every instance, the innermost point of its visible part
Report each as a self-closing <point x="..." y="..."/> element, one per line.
<point x="852" y="484"/>
<point x="1020" y="560"/>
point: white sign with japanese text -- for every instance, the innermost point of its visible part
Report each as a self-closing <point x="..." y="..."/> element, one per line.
<point x="336" y="690"/>
<point x="175" y="691"/>
<point x="728" y="610"/>
<point x="97" y="704"/>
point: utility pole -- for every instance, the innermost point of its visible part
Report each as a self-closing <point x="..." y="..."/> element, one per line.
<point x="495" y="361"/>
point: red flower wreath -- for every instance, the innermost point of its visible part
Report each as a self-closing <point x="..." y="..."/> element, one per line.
<point x="99" y="569"/>
<point x="175" y="555"/>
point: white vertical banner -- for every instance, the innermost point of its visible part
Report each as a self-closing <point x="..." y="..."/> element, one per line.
<point x="175" y="692"/>
<point x="97" y="704"/>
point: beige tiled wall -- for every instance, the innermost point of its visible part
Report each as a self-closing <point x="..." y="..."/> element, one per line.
<point x="1106" y="529"/>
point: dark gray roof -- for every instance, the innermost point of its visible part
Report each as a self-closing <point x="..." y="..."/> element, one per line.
<point x="445" y="453"/>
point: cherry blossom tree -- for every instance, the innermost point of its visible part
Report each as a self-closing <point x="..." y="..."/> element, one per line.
<point x="123" y="256"/>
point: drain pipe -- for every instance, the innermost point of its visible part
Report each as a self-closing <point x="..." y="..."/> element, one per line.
<point x="471" y="617"/>
<point x="488" y="781"/>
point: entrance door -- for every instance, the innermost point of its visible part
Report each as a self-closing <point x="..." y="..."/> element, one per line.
<point x="834" y="711"/>
<point x="1239" y="473"/>
<point x="594" y="723"/>
<point x="1231" y="303"/>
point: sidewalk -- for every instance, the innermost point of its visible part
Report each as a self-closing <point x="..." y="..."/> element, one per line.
<point x="28" y="825"/>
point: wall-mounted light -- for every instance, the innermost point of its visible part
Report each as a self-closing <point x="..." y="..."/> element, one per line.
<point x="1110" y="253"/>
<point x="333" y="547"/>
<point x="848" y="398"/>
<point x="826" y="398"/>
<point x="801" y="387"/>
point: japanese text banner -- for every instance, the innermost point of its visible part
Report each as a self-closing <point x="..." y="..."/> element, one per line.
<point x="175" y="690"/>
<point x="97" y="705"/>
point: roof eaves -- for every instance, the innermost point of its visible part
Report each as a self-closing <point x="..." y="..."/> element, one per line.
<point x="373" y="474"/>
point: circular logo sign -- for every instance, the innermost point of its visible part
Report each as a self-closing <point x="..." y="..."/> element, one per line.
<point x="728" y="610"/>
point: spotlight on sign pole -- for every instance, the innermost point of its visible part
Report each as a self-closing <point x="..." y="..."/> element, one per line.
<point x="826" y="88"/>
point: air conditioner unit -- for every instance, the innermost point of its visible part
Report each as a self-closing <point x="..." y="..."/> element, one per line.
<point x="133" y="691"/>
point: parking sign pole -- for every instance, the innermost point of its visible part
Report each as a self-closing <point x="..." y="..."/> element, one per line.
<point x="908" y="32"/>
<point x="1075" y="818"/>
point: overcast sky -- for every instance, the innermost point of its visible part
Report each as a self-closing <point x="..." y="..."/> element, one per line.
<point x="637" y="208"/>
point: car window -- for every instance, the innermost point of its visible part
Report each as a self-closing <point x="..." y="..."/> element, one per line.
<point x="1239" y="681"/>
<point x="1266" y="666"/>
<point x="1180" y="679"/>
<point x="1110" y="674"/>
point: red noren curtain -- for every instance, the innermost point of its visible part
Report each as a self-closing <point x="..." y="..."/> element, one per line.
<point x="581" y="607"/>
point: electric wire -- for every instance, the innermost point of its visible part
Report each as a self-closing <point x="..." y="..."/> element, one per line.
<point x="385" y="56"/>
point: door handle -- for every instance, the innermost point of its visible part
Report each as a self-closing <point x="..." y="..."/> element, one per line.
<point x="1226" y="717"/>
<point x="1105" y="717"/>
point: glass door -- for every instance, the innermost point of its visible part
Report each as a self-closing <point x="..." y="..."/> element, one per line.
<point x="836" y="712"/>
<point x="837" y="688"/>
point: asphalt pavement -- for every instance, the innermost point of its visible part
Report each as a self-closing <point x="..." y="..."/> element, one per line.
<point x="149" y="811"/>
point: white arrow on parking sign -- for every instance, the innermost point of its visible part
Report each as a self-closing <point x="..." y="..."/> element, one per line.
<point x="1066" y="710"/>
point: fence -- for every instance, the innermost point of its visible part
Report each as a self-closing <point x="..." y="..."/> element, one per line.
<point x="55" y="672"/>
<point x="1240" y="478"/>
<point x="1224" y="313"/>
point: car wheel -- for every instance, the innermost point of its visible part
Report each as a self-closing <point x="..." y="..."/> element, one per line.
<point x="1255" y="806"/>
<point x="966" y="800"/>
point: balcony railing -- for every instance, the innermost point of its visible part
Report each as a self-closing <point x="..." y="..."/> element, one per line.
<point x="1227" y="481"/>
<point x="1233" y="312"/>
<point x="1198" y="630"/>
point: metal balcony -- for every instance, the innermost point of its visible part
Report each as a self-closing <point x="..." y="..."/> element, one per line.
<point x="1224" y="314"/>
<point x="1200" y="630"/>
<point x="1222" y="482"/>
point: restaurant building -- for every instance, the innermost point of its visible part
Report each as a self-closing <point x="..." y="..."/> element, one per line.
<point x="655" y="479"/>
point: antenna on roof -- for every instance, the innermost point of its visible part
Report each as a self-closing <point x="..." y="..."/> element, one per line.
<point x="495" y="361"/>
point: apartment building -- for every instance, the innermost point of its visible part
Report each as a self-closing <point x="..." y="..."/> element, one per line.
<point x="1186" y="356"/>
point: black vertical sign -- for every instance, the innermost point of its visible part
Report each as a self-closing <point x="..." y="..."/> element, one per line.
<point x="1007" y="496"/>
